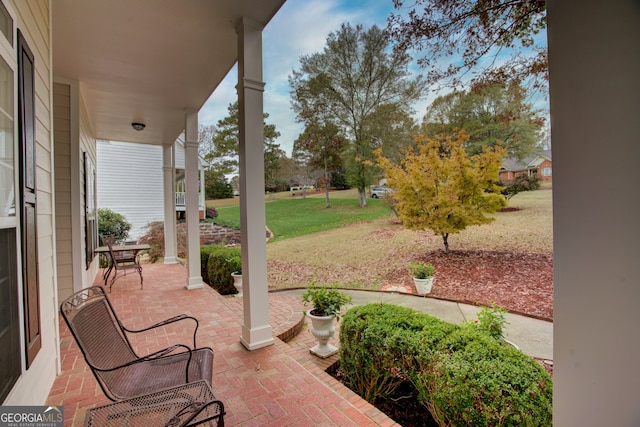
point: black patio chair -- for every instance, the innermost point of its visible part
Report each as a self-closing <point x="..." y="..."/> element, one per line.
<point x="121" y="261"/>
<point x="121" y="373"/>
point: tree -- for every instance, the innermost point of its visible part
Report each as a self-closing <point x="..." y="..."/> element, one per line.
<point x="235" y="184"/>
<point x="490" y="115"/>
<point x="111" y="223"/>
<point x="320" y="146"/>
<point x="441" y="188"/>
<point x="224" y="143"/>
<point x="339" y="180"/>
<point x="217" y="186"/>
<point x="272" y="162"/>
<point x="205" y="140"/>
<point x="223" y="156"/>
<point x="347" y="84"/>
<point x="462" y="33"/>
<point x="287" y="173"/>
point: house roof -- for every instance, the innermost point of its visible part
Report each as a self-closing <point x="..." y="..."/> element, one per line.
<point x="148" y="61"/>
<point x="514" y="164"/>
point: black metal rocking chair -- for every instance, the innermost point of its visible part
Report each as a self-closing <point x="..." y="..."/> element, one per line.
<point x="121" y="373"/>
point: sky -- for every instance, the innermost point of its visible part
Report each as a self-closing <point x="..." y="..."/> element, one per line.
<point x="299" y="28"/>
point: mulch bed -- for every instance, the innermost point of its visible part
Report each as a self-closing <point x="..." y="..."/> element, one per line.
<point x="520" y="282"/>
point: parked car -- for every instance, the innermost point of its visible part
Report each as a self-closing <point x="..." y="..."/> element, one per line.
<point x="378" y="192"/>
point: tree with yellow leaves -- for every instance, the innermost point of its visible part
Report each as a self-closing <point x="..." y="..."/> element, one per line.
<point x="437" y="186"/>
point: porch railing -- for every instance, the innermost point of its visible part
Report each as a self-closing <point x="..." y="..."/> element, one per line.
<point x="181" y="199"/>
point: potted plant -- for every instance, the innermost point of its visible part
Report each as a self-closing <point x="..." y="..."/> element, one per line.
<point x="422" y="276"/>
<point x="327" y="304"/>
<point x="236" y="263"/>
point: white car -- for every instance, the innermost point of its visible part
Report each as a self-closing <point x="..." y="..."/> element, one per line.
<point x="378" y="192"/>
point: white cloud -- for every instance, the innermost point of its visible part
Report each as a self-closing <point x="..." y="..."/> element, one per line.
<point x="300" y="28"/>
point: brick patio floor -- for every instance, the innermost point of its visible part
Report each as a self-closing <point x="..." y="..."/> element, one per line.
<point x="279" y="385"/>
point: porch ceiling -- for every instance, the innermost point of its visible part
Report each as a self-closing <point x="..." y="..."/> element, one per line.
<point x="148" y="61"/>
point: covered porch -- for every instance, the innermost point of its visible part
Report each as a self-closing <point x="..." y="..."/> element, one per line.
<point x="141" y="76"/>
<point x="282" y="384"/>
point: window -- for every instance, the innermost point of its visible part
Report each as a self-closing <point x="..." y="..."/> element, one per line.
<point x="10" y="352"/>
<point x="546" y="171"/>
<point x="6" y="24"/>
<point x="7" y="101"/>
<point x="7" y="184"/>
<point x="10" y="368"/>
<point x="91" y="223"/>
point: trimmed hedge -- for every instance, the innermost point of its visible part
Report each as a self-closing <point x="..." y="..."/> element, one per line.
<point x="462" y="376"/>
<point x="220" y="262"/>
<point x="205" y="251"/>
<point x="396" y="334"/>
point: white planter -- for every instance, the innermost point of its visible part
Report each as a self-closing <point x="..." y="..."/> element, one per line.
<point x="323" y="329"/>
<point x="512" y="344"/>
<point x="237" y="282"/>
<point x="423" y="286"/>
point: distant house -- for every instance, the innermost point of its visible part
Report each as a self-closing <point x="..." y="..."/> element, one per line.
<point x="539" y="165"/>
<point x="130" y="182"/>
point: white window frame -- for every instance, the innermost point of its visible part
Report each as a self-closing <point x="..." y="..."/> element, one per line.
<point x="9" y="54"/>
<point x="546" y="171"/>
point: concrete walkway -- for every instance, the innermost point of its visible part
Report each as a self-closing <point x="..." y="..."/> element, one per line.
<point x="533" y="336"/>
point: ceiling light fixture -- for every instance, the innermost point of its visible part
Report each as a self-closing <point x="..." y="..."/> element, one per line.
<point x="138" y="126"/>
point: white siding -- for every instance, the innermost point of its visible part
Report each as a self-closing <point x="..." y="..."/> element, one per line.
<point x="62" y="137"/>
<point x="130" y="182"/>
<point x="179" y="155"/>
<point x="73" y="137"/>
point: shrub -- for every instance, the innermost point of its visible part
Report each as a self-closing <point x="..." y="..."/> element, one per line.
<point x="236" y="264"/>
<point x="154" y="237"/>
<point x="205" y="251"/>
<point x="399" y="338"/>
<point x="519" y="184"/>
<point x="111" y="223"/>
<point x="217" y="187"/>
<point x="211" y="213"/>
<point x="463" y="376"/>
<point x="221" y="263"/>
<point x="479" y="381"/>
<point x="491" y="321"/>
<point x="421" y="270"/>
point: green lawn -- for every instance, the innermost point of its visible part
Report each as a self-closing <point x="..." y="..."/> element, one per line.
<point x="288" y="218"/>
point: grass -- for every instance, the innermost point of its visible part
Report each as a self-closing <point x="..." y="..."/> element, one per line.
<point x="367" y="248"/>
<point x="293" y="217"/>
<point x="373" y="253"/>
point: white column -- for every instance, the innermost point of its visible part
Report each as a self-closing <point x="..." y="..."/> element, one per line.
<point x="204" y="199"/>
<point x="169" y="185"/>
<point x="194" y="281"/>
<point x="256" y="331"/>
<point x="594" y="70"/>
